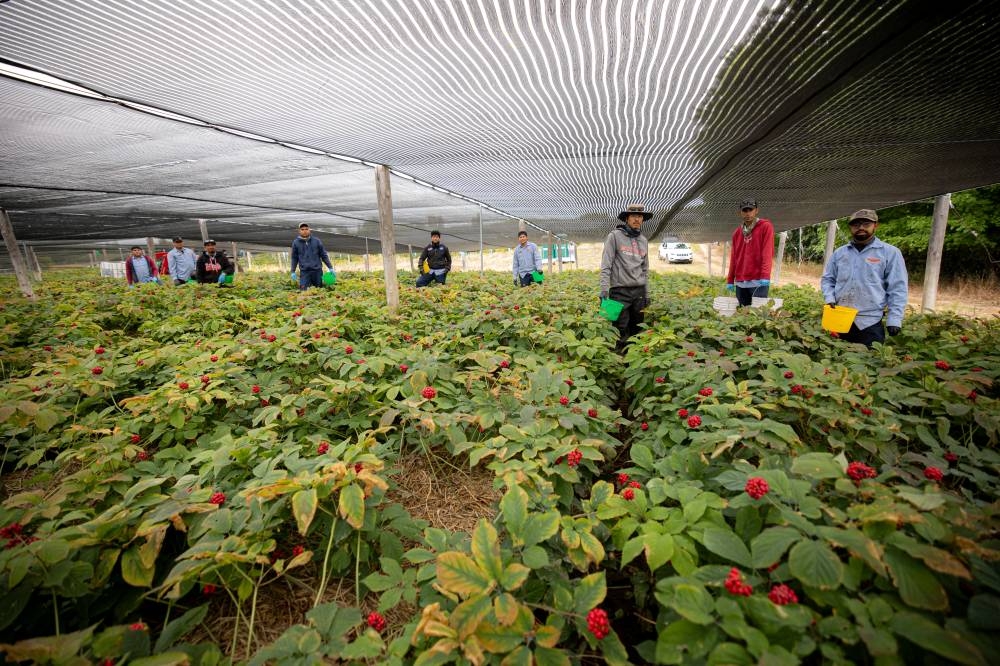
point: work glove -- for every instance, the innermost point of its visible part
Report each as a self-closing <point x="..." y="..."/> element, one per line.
<point x="540" y="271"/>
<point x="731" y="287"/>
<point x="293" y="276"/>
<point x="222" y="278"/>
<point x="603" y="296"/>
<point x="765" y="283"/>
<point x="833" y="306"/>
<point x="893" y="330"/>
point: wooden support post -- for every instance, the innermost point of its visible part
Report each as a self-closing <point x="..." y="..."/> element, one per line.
<point x="249" y="261"/>
<point x="481" y="257"/>
<point x="410" y="248"/>
<point x="549" y="240"/>
<point x="203" y="226"/>
<point x="831" y="240"/>
<point x="800" y="248"/>
<point x="463" y="259"/>
<point x="709" y="253"/>
<point x="782" y="239"/>
<point x="935" y="248"/>
<point x="559" y="253"/>
<point x="367" y="265"/>
<point x="93" y="258"/>
<point x="27" y="262"/>
<point x="387" y="235"/>
<point x="20" y="269"/>
<point x="725" y="255"/>
<point x="151" y="248"/>
<point x="236" y="264"/>
<point x="38" y="266"/>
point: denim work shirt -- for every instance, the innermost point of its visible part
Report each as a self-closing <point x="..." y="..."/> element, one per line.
<point x="181" y="263"/>
<point x="527" y="259"/>
<point x="140" y="268"/>
<point x="870" y="279"/>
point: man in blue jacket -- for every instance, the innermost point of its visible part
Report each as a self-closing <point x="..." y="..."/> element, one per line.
<point x="309" y="255"/>
<point x="527" y="259"/>
<point x="868" y="275"/>
<point x="438" y="260"/>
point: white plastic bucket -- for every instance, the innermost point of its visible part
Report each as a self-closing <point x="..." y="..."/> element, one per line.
<point x="758" y="302"/>
<point x="725" y="305"/>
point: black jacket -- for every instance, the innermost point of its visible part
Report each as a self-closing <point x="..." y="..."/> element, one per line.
<point x="204" y="261"/>
<point x="437" y="257"/>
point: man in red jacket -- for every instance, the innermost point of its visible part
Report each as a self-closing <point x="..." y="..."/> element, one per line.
<point x="753" y="248"/>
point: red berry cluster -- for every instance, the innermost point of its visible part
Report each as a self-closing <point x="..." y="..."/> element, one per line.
<point x="208" y="589"/>
<point x="682" y="413"/>
<point x="972" y="395"/>
<point x="866" y="411"/>
<point x="135" y="439"/>
<point x="348" y="349"/>
<point x="951" y="457"/>
<point x="358" y="467"/>
<point x="96" y="370"/>
<point x="735" y="584"/>
<point x="429" y="392"/>
<point x="597" y="623"/>
<point x="756" y="487"/>
<point x="623" y="478"/>
<point x="323" y="448"/>
<point x="644" y="426"/>
<point x="563" y="401"/>
<point x="205" y="379"/>
<point x="574" y="457"/>
<point x="569" y="382"/>
<point x="705" y="392"/>
<point x="628" y="494"/>
<point x="376" y="621"/>
<point x="217" y="498"/>
<point x="694" y="421"/>
<point x="660" y="380"/>
<point x="859" y="471"/>
<point x="796" y="388"/>
<point x="505" y="364"/>
<point x="99" y="350"/>
<point x="213" y="358"/>
<point x="592" y="413"/>
<point x="183" y="386"/>
<point x="138" y="626"/>
<point x="789" y="374"/>
<point x="142" y="455"/>
<point x="298" y="550"/>
<point x="782" y="595"/>
<point x="942" y="365"/>
<point x="14" y="533"/>
<point x="933" y="473"/>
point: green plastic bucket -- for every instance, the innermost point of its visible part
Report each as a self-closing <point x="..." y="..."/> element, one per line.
<point x="611" y="309"/>
<point x="228" y="279"/>
<point x="329" y="278"/>
<point x="537" y="276"/>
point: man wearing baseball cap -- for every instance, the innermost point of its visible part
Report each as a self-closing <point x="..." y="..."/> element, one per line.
<point x="309" y="256"/>
<point x="869" y="275"/>
<point x="181" y="262"/>
<point x="753" y="250"/>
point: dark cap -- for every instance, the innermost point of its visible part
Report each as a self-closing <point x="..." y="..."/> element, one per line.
<point x="435" y="233"/>
<point x="209" y="241"/>
<point x="748" y="203"/>
<point x="304" y="225"/>
<point x="864" y="214"/>
<point x="178" y="240"/>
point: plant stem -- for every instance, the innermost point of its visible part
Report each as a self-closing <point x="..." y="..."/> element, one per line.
<point x="357" y="571"/>
<point x="253" y="612"/>
<point x="326" y="561"/>
<point x="55" y="606"/>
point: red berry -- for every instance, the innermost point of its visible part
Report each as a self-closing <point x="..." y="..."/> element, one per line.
<point x="749" y="338"/>
<point x="682" y="413"/>
<point x="690" y="353"/>
<point x="298" y="550"/>
<point x="140" y="362"/>
<point x="569" y="382"/>
<point x="977" y="369"/>
<point x="660" y="380"/>
<point x="429" y="392"/>
<point x="96" y="370"/>
<point x="644" y="426"/>
<point x="789" y="374"/>
<point x="933" y="473"/>
<point x="574" y="457"/>
<point x="296" y="314"/>
<point x="99" y="350"/>
<point x="705" y="392"/>
<point x="403" y="368"/>
<point x="348" y="349"/>
<point x="217" y="498"/>
<point x="634" y="484"/>
<point x="135" y="439"/>
<point x="376" y="621"/>
<point x="951" y="457"/>
<point x="628" y="494"/>
<point x="782" y="595"/>
<point x="735" y="585"/>
<point x="597" y="623"/>
<point x="797" y="388"/>
<point x="182" y="386"/>
<point x="942" y="365"/>
<point x="563" y="401"/>
<point x="972" y="395"/>
<point x="208" y="589"/>
<point x="322" y="448"/>
<point x="505" y="364"/>
<point x="866" y="411"/>
<point x="137" y="626"/>
<point x="255" y="389"/>
<point x="859" y="471"/>
<point x="205" y="379"/>
<point x="264" y="402"/>
<point x="964" y="338"/>
<point x="756" y="487"/>
<point x="142" y="455"/>
<point x="358" y="467"/>
<point x="592" y="413"/>
<point x="47" y="347"/>
<point x="622" y="478"/>
<point x="694" y="421"/>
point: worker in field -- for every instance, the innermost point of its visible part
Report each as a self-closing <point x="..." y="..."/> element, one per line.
<point x="438" y="262"/>
<point x="753" y="251"/>
<point x="181" y="262"/>
<point x="869" y="275"/>
<point x="213" y="265"/>
<point x="527" y="260"/>
<point x="309" y="255"/>
<point x="625" y="271"/>
<point x="139" y="268"/>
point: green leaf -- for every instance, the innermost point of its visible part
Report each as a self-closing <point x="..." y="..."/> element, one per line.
<point x="352" y="506"/>
<point x="632" y="548"/>
<point x="541" y="526"/>
<point x="175" y="658"/>
<point x="458" y="573"/>
<point x="659" y="549"/>
<point x="304" y="504"/>
<point x="642" y="456"/>
<point x="815" y="564"/>
<point x="47" y="650"/>
<point x="693" y="603"/>
<point x="984" y="612"/>
<point x="178" y="628"/>
<point x="856" y="542"/>
<point x="769" y="546"/>
<point x="469" y="614"/>
<point x="46" y="418"/>
<point x="725" y="544"/>
<point x="545" y="656"/>
<point x="588" y="592"/>
<point x="368" y="645"/>
<point x="918" y="586"/>
<point x="486" y="549"/>
<point x="177" y="419"/>
<point x="919" y="630"/>
<point x="134" y="571"/>
<point x="730" y="654"/>
<point x="514" y="576"/>
<point x="817" y="466"/>
<point x="51" y="551"/>
<point x="514" y="506"/>
<point x="12" y="602"/>
<point x="535" y="557"/>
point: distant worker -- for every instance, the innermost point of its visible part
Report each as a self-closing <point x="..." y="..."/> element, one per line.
<point x="869" y="275"/>
<point x="213" y="266"/>
<point x="309" y="255"/>
<point x="181" y="262"/>
<point x="438" y="262"/>
<point x="139" y="268"/>
<point x="750" y="261"/>
<point x="527" y="260"/>
<point x="625" y="271"/>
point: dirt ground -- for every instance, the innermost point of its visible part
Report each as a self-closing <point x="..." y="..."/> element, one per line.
<point x="966" y="298"/>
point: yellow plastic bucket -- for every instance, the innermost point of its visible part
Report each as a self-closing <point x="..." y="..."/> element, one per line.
<point x="838" y="319"/>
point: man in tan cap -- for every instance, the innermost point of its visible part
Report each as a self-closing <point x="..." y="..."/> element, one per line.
<point x="625" y="271"/>
<point x="869" y="275"/>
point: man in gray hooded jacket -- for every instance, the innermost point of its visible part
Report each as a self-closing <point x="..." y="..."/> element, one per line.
<point x="625" y="271"/>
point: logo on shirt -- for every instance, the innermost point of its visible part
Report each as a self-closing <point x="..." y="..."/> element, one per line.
<point x="873" y="260"/>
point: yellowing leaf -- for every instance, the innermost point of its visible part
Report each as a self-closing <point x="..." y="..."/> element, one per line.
<point x="352" y="506"/>
<point x="304" y="504"/>
<point x="459" y="574"/>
